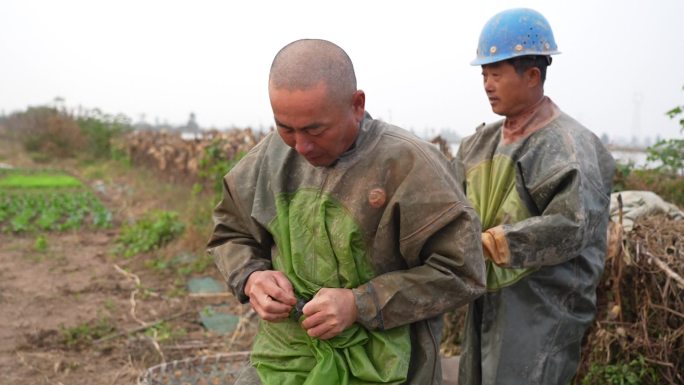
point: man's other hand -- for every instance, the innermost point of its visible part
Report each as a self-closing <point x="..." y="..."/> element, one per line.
<point x="270" y="294"/>
<point x="329" y="313"/>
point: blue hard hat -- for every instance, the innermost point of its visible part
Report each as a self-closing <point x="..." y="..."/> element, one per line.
<point x="515" y="32"/>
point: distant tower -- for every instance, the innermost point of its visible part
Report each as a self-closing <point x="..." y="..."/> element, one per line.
<point x="59" y="103"/>
<point x="637" y="99"/>
<point x="192" y="125"/>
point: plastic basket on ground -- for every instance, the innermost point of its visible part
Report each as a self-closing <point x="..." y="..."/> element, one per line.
<point x="219" y="369"/>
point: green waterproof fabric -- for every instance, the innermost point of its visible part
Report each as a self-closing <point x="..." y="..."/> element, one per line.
<point x="320" y="245"/>
<point x="492" y="191"/>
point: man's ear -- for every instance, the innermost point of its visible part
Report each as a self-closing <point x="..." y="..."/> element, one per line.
<point x="359" y="105"/>
<point x="533" y="77"/>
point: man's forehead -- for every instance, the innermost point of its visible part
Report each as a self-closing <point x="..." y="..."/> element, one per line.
<point x="496" y="65"/>
<point x="303" y="127"/>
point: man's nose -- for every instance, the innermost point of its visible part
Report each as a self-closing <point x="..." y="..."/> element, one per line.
<point x="488" y="85"/>
<point x="302" y="144"/>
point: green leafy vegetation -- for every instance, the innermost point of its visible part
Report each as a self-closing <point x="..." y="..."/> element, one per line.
<point x="44" y="201"/>
<point x="53" y="211"/>
<point x="38" y="180"/>
<point x="214" y="165"/>
<point x="636" y="372"/>
<point x="100" y="129"/>
<point x="41" y="244"/>
<point x="670" y="152"/>
<point x="85" y="333"/>
<point x="165" y="332"/>
<point x="151" y="232"/>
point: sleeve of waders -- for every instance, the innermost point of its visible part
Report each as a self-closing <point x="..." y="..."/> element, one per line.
<point x="569" y="187"/>
<point x="233" y="243"/>
<point x="451" y="275"/>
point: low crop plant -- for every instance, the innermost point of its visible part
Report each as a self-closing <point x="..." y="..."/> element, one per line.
<point x="40" y="244"/>
<point x="40" y="210"/>
<point x="44" y="200"/>
<point x="636" y="372"/>
<point x="151" y="232"/>
<point x="85" y="333"/>
<point x="165" y="332"/>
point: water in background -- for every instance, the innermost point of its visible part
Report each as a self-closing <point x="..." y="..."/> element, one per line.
<point x="637" y="158"/>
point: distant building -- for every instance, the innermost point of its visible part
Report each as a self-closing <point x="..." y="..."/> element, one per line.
<point x="192" y="125"/>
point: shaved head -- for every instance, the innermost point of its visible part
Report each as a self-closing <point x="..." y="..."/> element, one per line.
<point x="305" y="63"/>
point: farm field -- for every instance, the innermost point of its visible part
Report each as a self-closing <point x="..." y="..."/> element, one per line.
<point x="48" y="201"/>
<point x="78" y="305"/>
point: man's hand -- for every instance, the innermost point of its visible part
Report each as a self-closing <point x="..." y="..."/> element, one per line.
<point x="270" y="294"/>
<point x="329" y="313"/>
<point x="495" y="247"/>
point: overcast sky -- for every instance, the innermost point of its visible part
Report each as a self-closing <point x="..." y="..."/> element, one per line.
<point x="621" y="67"/>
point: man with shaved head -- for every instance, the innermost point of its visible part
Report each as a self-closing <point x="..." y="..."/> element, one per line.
<point x="347" y="235"/>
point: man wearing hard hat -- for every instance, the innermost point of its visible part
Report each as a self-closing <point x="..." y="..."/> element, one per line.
<point x="541" y="184"/>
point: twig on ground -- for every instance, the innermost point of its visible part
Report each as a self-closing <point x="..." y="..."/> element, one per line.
<point x="135" y="291"/>
<point x="241" y="326"/>
<point x="144" y="324"/>
<point x="153" y="340"/>
<point x="667" y="309"/>
<point x="664" y="267"/>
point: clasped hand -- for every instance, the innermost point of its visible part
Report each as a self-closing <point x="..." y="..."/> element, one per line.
<point x="329" y="313"/>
